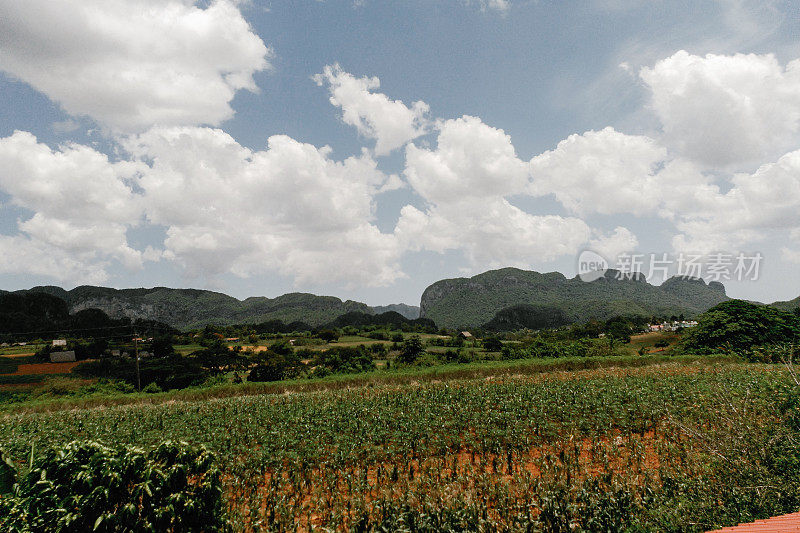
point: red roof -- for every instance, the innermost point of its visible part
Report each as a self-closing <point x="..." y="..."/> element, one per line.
<point x="780" y="524"/>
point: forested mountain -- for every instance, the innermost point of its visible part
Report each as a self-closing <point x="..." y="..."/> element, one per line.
<point x="471" y="302"/>
<point x="186" y="308"/>
<point x="791" y="305"/>
<point x="411" y="312"/>
<point x="29" y="315"/>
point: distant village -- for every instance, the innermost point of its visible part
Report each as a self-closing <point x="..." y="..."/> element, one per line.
<point x="672" y="325"/>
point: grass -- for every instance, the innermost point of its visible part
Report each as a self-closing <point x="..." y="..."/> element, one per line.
<point x="10" y="379"/>
<point x="15" y="350"/>
<point x="380" y="377"/>
<point x="635" y="441"/>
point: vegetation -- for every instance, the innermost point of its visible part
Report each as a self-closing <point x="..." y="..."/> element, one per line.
<point x="463" y="302"/>
<point x="187" y="308"/>
<point x="86" y="486"/>
<point x="526" y="316"/>
<point x="33" y="315"/>
<point x="379" y="422"/>
<point x="665" y="448"/>
<point x="742" y="326"/>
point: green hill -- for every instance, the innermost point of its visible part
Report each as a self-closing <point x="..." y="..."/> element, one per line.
<point x="471" y="302"/>
<point x="187" y="308"/>
<point x="411" y="312"/>
<point x="791" y="305"/>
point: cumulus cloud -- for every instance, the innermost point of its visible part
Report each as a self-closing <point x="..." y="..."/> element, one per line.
<point x="611" y="246"/>
<point x="723" y="111"/>
<point x="131" y="64"/>
<point x="764" y="201"/>
<point x="464" y="183"/>
<point x="604" y="172"/>
<point x="288" y="208"/>
<point x="471" y="159"/>
<point x="390" y="122"/>
<point x="81" y="203"/>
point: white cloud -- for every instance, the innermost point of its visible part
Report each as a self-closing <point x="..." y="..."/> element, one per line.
<point x="603" y="172"/>
<point x="130" y="64"/>
<point x="497" y="5"/>
<point x="471" y="160"/>
<point x="22" y="255"/>
<point x="765" y="201"/>
<point x="726" y="110"/>
<point x="289" y="208"/>
<point x="611" y="246"/>
<point x="82" y="206"/>
<point x="390" y="122"/>
<point x="792" y="256"/>
<point x="464" y="183"/>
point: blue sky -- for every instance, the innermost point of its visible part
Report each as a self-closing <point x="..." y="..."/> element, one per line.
<point x="366" y="149"/>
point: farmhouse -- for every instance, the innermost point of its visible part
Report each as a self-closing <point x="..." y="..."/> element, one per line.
<point x="62" y="357"/>
<point x="59" y="342"/>
<point x="466" y="335"/>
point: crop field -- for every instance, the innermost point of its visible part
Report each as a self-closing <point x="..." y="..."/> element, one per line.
<point x="674" y="446"/>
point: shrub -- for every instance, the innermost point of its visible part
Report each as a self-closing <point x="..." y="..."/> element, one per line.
<point x="741" y="325"/>
<point x="411" y="350"/>
<point x="152" y="388"/>
<point x="328" y="335"/>
<point x="272" y="367"/>
<point x="90" y="487"/>
<point x="343" y="360"/>
<point x="492" y="344"/>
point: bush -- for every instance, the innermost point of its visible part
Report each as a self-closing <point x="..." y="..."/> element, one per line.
<point x="90" y="487"/>
<point x="343" y="360"/>
<point x="738" y="325"/>
<point x="411" y="350"/>
<point x="152" y="388"/>
<point x="272" y="367"/>
<point x="328" y="335"/>
<point x="492" y="344"/>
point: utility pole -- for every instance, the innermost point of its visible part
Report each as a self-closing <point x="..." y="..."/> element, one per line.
<point x="136" y="350"/>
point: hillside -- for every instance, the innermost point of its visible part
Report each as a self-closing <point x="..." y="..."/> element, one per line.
<point x="186" y="308"/>
<point x="791" y="305"/>
<point x="471" y="302"/>
<point x="411" y="312"/>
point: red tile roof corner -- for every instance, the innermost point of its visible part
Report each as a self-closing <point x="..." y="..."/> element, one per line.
<point x="779" y="524"/>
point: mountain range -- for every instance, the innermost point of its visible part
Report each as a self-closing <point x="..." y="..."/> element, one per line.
<point x="471" y="302"/>
<point x="193" y="308"/>
<point x="451" y="303"/>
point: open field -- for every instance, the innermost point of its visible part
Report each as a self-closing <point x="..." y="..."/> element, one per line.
<point x="22" y="351"/>
<point x="514" y="448"/>
<point x="45" y="368"/>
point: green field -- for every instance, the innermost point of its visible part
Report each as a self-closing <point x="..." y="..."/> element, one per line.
<point x="658" y="445"/>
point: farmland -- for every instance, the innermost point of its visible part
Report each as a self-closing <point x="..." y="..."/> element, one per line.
<point x="665" y="446"/>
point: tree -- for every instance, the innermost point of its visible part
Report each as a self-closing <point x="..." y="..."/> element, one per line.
<point x="741" y="325"/>
<point x="271" y="367"/>
<point x="492" y="344"/>
<point x="218" y="356"/>
<point x="162" y="346"/>
<point x="328" y="335"/>
<point x="618" y="330"/>
<point x="411" y="350"/>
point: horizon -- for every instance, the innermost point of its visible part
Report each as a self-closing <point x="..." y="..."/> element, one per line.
<point x="366" y="150"/>
<point x="345" y="298"/>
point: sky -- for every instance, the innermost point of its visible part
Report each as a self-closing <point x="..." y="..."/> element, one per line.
<point x="366" y="149"/>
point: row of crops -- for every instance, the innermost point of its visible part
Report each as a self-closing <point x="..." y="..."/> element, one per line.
<point x="667" y="448"/>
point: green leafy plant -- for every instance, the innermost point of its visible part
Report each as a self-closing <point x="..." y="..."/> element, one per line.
<point x="86" y="486"/>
